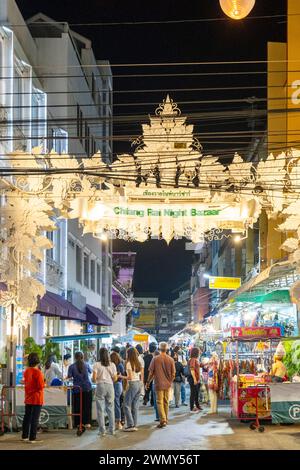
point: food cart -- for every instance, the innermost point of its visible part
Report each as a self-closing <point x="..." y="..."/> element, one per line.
<point x="250" y="393"/>
<point x="253" y="396"/>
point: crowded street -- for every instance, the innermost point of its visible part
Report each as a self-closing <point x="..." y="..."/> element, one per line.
<point x="184" y="432"/>
<point x="150" y="230"/>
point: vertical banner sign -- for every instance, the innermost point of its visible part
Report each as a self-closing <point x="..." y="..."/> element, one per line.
<point x="19" y="364"/>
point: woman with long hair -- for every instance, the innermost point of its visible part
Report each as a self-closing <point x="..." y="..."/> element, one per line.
<point x="104" y="375"/>
<point x="79" y="371"/>
<point x="118" y="386"/>
<point x="194" y="380"/>
<point x="133" y="392"/>
<point x="51" y="370"/>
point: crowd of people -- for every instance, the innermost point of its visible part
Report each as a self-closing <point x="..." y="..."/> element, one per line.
<point x="122" y="376"/>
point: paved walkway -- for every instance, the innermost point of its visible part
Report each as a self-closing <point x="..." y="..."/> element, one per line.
<point x="184" y="432"/>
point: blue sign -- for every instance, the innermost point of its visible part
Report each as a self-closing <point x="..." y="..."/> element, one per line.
<point x="19" y="365"/>
<point x="136" y="313"/>
<point x="90" y="328"/>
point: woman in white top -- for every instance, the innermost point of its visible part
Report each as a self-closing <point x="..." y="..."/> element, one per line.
<point x="104" y="375"/>
<point x="52" y="371"/>
<point x="133" y="392"/>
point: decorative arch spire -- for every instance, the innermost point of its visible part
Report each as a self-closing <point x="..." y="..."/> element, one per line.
<point x="168" y="108"/>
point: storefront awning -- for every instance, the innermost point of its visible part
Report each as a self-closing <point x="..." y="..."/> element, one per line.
<point x="87" y="336"/>
<point x="96" y="316"/>
<point x="54" y="304"/>
<point x="49" y="306"/>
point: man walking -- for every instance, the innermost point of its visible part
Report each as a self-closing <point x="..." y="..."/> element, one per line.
<point x="162" y="370"/>
<point x="147" y="360"/>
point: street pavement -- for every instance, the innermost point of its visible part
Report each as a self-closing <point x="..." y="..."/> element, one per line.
<point x="185" y="431"/>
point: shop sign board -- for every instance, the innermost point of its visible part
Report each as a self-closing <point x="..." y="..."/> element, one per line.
<point x="252" y="398"/>
<point x="141" y="338"/>
<point x="146" y="317"/>
<point x="90" y="328"/>
<point x="226" y="283"/>
<point x="245" y="332"/>
<point x="135" y="312"/>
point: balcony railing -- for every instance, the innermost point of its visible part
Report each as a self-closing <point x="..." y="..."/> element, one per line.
<point x="54" y="273"/>
<point x="20" y="141"/>
<point x="121" y="289"/>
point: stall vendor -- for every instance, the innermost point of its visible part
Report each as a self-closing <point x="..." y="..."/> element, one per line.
<point x="279" y="372"/>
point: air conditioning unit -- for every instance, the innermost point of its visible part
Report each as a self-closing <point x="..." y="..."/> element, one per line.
<point x="77" y="299"/>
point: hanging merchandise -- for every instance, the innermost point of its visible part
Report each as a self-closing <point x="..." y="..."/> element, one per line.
<point x="213" y="382"/>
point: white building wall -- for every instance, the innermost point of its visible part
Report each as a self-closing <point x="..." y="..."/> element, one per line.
<point x="19" y="49"/>
<point x="60" y="53"/>
<point x="18" y="56"/>
<point x="118" y="327"/>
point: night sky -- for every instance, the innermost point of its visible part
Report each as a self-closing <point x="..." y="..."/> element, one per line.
<point x="161" y="268"/>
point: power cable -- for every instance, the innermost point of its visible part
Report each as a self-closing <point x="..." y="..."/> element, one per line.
<point x="29" y="24"/>
<point x="169" y="64"/>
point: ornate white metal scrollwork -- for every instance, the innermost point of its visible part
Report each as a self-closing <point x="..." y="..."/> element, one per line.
<point x="168" y="108"/>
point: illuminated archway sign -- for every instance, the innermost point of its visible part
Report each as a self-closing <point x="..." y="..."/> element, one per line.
<point x="165" y="189"/>
<point x="168" y="189"/>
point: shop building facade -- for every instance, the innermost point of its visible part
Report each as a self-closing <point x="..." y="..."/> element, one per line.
<point x="146" y="306"/>
<point x="39" y="111"/>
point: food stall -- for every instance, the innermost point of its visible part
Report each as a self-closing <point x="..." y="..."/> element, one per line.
<point x="76" y="341"/>
<point x="250" y="393"/>
<point x="254" y="396"/>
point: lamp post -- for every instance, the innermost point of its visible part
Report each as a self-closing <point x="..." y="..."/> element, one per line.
<point x="237" y="9"/>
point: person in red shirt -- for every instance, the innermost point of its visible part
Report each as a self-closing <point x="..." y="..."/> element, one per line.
<point x="34" y="398"/>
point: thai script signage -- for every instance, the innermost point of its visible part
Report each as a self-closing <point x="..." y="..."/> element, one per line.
<point x="255" y="332"/>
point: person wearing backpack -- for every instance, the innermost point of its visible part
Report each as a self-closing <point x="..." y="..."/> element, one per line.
<point x="80" y="372"/>
<point x="194" y="380"/>
<point x="178" y="380"/>
<point x="182" y="358"/>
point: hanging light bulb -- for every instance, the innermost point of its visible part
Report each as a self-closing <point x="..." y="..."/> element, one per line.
<point x="237" y="9"/>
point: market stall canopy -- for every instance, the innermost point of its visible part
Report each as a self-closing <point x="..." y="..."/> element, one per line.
<point x="96" y="316"/>
<point x="87" y="336"/>
<point x="278" y="276"/>
<point x="191" y="329"/>
<point x="136" y="332"/>
<point x="259" y="296"/>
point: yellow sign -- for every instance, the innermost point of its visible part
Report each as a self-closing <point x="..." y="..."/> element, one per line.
<point x="141" y="338"/>
<point x="227" y="283"/>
